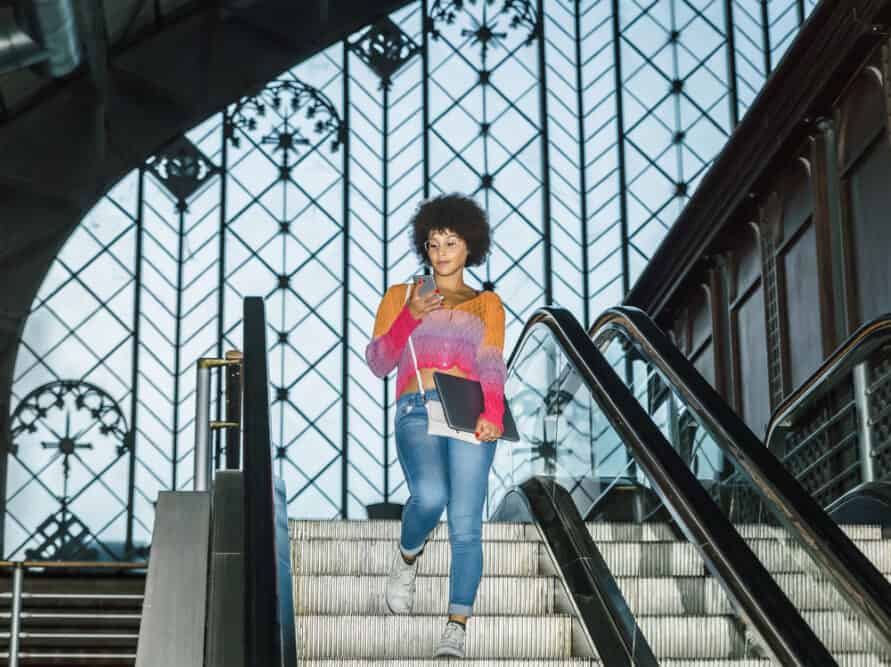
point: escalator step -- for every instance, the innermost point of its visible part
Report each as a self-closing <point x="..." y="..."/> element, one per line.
<point x="415" y="636"/>
<point x="497" y="531"/>
<point x="373" y="557"/>
<point x="513" y="596"/>
<point x="778" y="556"/>
<point x="850" y="660"/>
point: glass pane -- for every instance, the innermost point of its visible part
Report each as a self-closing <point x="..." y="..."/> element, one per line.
<point x="832" y="619"/>
<point x="565" y="435"/>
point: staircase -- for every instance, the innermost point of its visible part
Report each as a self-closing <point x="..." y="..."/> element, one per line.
<point x="75" y="620"/>
<point x="522" y="615"/>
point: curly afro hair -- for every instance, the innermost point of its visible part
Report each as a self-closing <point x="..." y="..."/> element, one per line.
<point x="456" y="213"/>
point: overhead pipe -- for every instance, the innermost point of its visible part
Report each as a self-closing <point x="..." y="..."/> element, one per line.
<point x="42" y="33"/>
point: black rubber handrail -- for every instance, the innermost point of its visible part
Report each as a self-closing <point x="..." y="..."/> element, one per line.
<point x="262" y="646"/>
<point x="730" y="559"/>
<point x="854" y="575"/>
<point x="603" y="613"/>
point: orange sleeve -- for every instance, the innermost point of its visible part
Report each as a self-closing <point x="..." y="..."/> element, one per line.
<point x="392" y="327"/>
<point x="388" y="309"/>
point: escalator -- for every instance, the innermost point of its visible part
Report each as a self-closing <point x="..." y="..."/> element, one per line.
<point x="636" y="523"/>
<point x="826" y="577"/>
<point x="603" y="546"/>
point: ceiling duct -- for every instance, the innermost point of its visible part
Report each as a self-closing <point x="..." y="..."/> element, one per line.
<point x="42" y="33"/>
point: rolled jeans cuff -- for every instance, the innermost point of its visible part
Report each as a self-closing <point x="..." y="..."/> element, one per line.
<point x="460" y="609"/>
<point x="411" y="552"/>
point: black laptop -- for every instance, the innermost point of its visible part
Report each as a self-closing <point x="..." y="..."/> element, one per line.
<point x="462" y="404"/>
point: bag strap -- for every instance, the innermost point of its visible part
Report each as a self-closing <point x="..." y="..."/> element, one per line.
<point x="414" y="357"/>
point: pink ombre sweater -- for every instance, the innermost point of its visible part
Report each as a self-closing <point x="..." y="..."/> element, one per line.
<point x="469" y="336"/>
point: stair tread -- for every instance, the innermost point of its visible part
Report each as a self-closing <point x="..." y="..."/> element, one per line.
<point x="495" y="530"/>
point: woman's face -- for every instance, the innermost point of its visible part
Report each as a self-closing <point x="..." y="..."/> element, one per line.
<point x="446" y="251"/>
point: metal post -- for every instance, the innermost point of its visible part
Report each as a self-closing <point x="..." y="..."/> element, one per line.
<point x="674" y="431"/>
<point x="15" y="619"/>
<point x="233" y="409"/>
<point x="202" y="475"/>
<point x="864" y="421"/>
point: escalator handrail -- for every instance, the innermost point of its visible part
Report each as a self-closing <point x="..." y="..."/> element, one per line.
<point x="854" y="350"/>
<point x="731" y="560"/>
<point x="262" y="634"/>
<point x="852" y="572"/>
<point x="605" y="618"/>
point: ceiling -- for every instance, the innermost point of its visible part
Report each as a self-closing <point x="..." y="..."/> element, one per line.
<point x="117" y="23"/>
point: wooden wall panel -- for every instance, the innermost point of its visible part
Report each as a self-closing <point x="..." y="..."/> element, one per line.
<point x="803" y="339"/>
<point x="753" y="390"/>
<point x="865" y="157"/>
<point x="870" y="204"/>
<point x="799" y="279"/>
<point x="704" y="360"/>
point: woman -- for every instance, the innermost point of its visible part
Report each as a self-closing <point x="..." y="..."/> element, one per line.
<point x="459" y="331"/>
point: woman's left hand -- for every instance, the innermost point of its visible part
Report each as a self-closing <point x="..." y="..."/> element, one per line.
<point x="486" y="431"/>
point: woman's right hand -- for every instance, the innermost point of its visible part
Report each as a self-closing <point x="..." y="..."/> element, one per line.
<point x="419" y="306"/>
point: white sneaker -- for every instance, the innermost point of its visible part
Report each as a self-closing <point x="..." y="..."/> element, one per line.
<point x="451" y="644"/>
<point x="400" y="595"/>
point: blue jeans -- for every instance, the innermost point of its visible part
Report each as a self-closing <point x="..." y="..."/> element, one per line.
<point x="443" y="472"/>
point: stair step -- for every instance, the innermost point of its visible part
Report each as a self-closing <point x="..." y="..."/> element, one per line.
<point x="416" y="636"/>
<point x="373" y="557"/>
<point x="442" y="662"/>
<point x="82" y="600"/>
<point x="530" y="596"/>
<point x="644" y="559"/>
<point x="508" y="637"/>
<point x="499" y="531"/>
<point x="840" y="633"/>
<point x="667" y="596"/>
<point x="66" y="658"/>
<point x="74" y="639"/>
<point x="502" y="596"/>
<point x="492" y="531"/>
<point x="32" y="620"/>
<point x="848" y="660"/>
<point x="779" y="556"/>
<point x="856" y="532"/>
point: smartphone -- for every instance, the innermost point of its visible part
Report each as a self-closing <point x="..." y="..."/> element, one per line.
<point x="427" y="284"/>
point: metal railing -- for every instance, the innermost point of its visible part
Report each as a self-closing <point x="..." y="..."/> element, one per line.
<point x="859" y="581"/>
<point x="850" y="364"/>
<point x="204" y="426"/>
<point x="17" y="594"/>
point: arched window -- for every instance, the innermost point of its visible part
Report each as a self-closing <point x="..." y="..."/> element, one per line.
<point x="582" y="133"/>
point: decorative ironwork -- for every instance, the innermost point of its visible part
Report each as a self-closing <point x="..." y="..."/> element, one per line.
<point x="386" y="49"/>
<point x="286" y="98"/>
<point x="485" y="32"/>
<point x="880" y="407"/>
<point x="43" y="421"/>
<point x="769" y="234"/>
<point x="32" y="414"/>
<point x="183" y="169"/>
<point x="63" y="537"/>
<point x="582" y="150"/>
<point x="821" y="446"/>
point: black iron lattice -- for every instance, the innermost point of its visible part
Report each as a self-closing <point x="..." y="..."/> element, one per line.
<point x="582" y="127"/>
